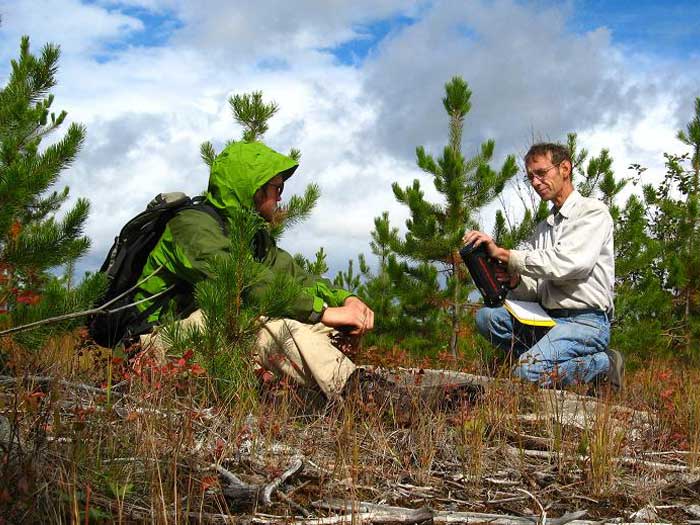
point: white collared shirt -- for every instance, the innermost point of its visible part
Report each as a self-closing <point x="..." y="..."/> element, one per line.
<point x="569" y="261"/>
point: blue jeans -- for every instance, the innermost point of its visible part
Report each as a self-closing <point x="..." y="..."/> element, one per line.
<point x="571" y="352"/>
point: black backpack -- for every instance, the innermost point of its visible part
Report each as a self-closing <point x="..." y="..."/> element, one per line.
<point x="118" y="319"/>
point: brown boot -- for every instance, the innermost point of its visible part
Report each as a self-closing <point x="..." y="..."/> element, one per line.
<point x="368" y="386"/>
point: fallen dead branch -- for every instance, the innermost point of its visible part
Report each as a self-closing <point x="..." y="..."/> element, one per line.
<point x="654" y="465"/>
<point x="44" y="380"/>
<point x="295" y="466"/>
<point x="236" y="489"/>
<point x="245" y="494"/>
<point x="373" y="513"/>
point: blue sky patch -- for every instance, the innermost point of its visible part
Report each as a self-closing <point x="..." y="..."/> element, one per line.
<point x="654" y="26"/>
<point x="354" y="52"/>
<point x="157" y="29"/>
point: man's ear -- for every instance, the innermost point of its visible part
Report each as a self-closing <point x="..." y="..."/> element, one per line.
<point x="565" y="167"/>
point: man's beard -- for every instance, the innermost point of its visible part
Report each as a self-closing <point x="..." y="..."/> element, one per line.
<point x="278" y="216"/>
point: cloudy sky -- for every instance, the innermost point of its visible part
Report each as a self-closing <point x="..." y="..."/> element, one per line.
<point x="359" y="85"/>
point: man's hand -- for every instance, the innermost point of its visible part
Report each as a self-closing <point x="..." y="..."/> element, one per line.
<point x="502" y="275"/>
<point x="492" y="248"/>
<point x="353" y="314"/>
<point x="500" y="254"/>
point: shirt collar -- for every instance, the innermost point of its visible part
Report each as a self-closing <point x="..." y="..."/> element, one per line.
<point x="566" y="208"/>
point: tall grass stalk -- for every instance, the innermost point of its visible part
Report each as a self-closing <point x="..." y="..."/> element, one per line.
<point x="604" y="437"/>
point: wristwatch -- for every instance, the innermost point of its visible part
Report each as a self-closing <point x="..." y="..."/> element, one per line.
<point x="317" y="312"/>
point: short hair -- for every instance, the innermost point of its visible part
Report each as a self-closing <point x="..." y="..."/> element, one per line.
<point x="559" y="152"/>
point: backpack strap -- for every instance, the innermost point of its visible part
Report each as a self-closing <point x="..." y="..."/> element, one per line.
<point x="199" y="203"/>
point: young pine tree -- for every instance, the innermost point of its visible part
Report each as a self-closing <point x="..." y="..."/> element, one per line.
<point x="598" y="178"/>
<point x="318" y="266"/>
<point x="643" y="308"/>
<point x="378" y="291"/>
<point x="435" y="230"/>
<point x="674" y="225"/>
<point x="232" y="318"/>
<point x="33" y="240"/>
<point x="656" y="255"/>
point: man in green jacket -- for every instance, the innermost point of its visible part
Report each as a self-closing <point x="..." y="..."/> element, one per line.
<point x="252" y="176"/>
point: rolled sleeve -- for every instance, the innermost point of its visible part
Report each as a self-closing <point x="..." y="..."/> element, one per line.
<point x="516" y="261"/>
<point x="526" y="289"/>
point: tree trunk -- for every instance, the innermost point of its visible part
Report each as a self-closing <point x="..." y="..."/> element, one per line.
<point x="456" y="310"/>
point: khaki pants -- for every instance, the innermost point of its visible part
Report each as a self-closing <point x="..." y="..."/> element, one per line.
<point x="286" y="347"/>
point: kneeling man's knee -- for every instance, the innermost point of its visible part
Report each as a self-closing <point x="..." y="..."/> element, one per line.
<point x="483" y="321"/>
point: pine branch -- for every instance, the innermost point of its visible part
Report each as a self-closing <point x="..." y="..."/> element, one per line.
<point x="207" y="153"/>
<point x="252" y="113"/>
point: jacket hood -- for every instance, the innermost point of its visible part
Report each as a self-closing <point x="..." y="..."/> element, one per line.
<point x="240" y="170"/>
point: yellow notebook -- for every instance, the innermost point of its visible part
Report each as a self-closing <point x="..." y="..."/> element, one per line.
<point x="528" y="312"/>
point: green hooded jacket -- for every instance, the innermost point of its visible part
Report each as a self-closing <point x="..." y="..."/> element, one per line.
<point x="193" y="238"/>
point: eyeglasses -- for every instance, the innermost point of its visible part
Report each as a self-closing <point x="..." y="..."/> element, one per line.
<point x="278" y="187"/>
<point x="541" y="173"/>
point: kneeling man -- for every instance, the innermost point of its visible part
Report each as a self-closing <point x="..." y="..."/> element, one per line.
<point x="569" y="268"/>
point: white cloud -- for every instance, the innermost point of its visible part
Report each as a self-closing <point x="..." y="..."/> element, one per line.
<point x="269" y="27"/>
<point x="641" y="140"/>
<point x="526" y="73"/>
<point x="79" y="28"/>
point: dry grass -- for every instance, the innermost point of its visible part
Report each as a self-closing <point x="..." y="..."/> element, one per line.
<point x="149" y="452"/>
